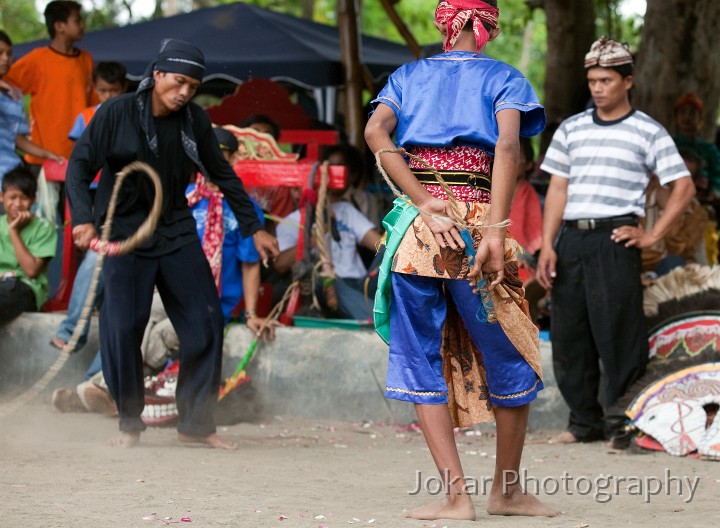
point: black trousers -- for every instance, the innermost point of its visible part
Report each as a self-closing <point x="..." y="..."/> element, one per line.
<point x="597" y="317"/>
<point x="188" y="292"/>
<point x="16" y="297"/>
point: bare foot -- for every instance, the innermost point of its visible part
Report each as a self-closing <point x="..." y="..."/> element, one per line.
<point x="212" y="440"/>
<point x="566" y="437"/>
<point x="58" y="343"/>
<point x="126" y="439"/>
<point x="518" y="503"/>
<point x="460" y="509"/>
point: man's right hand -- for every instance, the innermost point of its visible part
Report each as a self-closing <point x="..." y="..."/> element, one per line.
<point x="83" y="234"/>
<point x="266" y="245"/>
<point x="546" y="267"/>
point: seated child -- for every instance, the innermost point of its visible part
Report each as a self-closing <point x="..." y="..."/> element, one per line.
<point x="352" y="229"/>
<point x="27" y="243"/>
<point x="234" y="261"/>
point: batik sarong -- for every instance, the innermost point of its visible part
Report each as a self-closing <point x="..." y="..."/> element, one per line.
<point x="439" y="351"/>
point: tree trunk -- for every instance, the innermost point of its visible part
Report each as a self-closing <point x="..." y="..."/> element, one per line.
<point x="571" y="31"/>
<point x="308" y="9"/>
<point x="350" y="57"/>
<point x="678" y="54"/>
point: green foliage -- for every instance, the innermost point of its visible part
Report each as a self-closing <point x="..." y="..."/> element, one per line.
<point x="20" y="20"/>
<point x="611" y="23"/>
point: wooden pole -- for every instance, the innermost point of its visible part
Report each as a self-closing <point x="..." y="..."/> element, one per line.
<point x="350" y="57"/>
<point x="389" y="6"/>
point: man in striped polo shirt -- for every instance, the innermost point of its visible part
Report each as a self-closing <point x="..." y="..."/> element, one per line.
<point x="600" y="161"/>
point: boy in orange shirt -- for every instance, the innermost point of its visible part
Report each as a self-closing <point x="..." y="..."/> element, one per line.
<point x="58" y="78"/>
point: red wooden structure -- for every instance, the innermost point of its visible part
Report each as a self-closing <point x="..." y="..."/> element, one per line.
<point x="252" y="173"/>
<point x="303" y="174"/>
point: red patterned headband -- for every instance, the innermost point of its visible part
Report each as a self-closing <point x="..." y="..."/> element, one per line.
<point x="457" y="13"/>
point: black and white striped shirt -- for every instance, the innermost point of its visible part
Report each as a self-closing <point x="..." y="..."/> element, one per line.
<point x="608" y="163"/>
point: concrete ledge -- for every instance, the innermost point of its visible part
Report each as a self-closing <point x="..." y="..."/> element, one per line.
<point x="306" y="372"/>
<point x="26" y="353"/>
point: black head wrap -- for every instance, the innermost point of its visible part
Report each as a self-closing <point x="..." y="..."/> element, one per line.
<point x="178" y="56"/>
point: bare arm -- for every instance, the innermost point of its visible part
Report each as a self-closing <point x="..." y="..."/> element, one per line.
<point x="251" y="284"/>
<point x="490" y="257"/>
<point x="371" y="239"/>
<point x="27" y="146"/>
<point x="681" y="194"/>
<point x="555" y="201"/>
<point x="31" y="265"/>
<point x="433" y="210"/>
<point x="251" y="289"/>
<point x="284" y="261"/>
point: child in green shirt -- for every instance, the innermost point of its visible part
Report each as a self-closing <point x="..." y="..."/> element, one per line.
<point x="27" y="243"/>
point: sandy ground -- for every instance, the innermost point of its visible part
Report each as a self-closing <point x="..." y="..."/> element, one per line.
<point x="56" y="471"/>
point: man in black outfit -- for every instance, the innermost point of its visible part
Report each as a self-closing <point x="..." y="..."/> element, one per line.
<point x="161" y="127"/>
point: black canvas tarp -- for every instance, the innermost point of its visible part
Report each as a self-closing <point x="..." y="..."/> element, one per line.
<point x="241" y="41"/>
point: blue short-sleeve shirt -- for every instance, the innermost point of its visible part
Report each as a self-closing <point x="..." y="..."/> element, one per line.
<point x="444" y="101"/>
<point x="12" y="123"/>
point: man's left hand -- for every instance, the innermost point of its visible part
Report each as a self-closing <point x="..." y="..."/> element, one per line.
<point x="633" y="236"/>
<point x="266" y="245"/>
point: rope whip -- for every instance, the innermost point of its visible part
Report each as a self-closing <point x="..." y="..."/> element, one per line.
<point x="103" y="247"/>
<point x="480" y="284"/>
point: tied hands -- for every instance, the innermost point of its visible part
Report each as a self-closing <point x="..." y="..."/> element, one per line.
<point x="490" y="254"/>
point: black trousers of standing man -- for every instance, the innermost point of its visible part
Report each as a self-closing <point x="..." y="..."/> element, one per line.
<point x="188" y="292"/>
<point x="597" y="316"/>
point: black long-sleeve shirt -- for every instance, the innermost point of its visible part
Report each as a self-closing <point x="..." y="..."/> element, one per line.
<point x="115" y="138"/>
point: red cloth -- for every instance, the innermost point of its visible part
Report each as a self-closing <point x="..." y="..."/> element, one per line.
<point x="457" y="13"/>
<point x="214" y="227"/>
<point x="454" y="158"/>
<point x="526" y="217"/>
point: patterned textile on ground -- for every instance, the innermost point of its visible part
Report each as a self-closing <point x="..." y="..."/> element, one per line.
<point x="687" y="335"/>
<point x="677" y="411"/>
<point x="160" y="404"/>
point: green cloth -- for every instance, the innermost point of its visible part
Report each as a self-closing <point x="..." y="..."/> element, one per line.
<point x="396" y="222"/>
<point x="40" y="238"/>
<point x="708" y="152"/>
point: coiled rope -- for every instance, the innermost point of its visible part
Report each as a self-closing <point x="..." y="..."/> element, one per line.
<point x="103" y="247"/>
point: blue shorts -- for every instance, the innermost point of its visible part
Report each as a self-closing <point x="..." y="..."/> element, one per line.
<point x="415" y="370"/>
